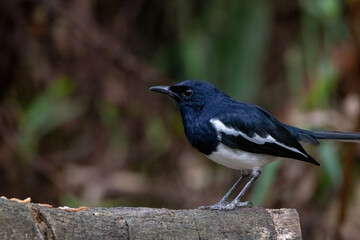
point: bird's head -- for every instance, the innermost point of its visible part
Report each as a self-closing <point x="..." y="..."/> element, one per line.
<point x="190" y="95"/>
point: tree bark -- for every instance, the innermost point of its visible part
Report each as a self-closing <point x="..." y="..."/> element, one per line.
<point x="31" y="221"/>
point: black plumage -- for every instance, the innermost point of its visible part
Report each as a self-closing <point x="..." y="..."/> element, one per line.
<point x="239" y="135"/>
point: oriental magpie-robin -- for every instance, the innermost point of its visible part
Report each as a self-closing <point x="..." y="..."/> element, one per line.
<point x="239" y="135"/>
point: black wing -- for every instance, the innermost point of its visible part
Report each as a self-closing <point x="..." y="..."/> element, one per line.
<point x="254" y="130"/>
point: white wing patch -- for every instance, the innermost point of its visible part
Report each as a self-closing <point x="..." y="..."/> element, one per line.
<point x="220" y="127"/>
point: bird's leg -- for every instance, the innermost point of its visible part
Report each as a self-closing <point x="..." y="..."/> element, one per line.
<point x="224" y="205"/>
<point x="236" y="202"/>
<point x="223" y="202"/>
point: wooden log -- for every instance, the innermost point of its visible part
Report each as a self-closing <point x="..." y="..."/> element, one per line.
<point x="31" y="221"/>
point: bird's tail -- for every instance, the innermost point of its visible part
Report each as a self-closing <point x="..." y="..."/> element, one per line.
<point x="312" y="137"/>
<point x="337" y="136"/>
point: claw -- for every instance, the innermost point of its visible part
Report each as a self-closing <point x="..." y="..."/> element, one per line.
<point x="243" y="204"/>
<point x="227" y="206"/>
<point x="217" y="206"/>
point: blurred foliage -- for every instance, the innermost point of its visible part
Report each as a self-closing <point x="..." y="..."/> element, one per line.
<point x="45" y="113"/>
<point x="263" y="185"/>
<point x="332" y="167"/>
<point x="70" y="201"/>
<point x="222" y="43"/>
<point x="79" y="127"/>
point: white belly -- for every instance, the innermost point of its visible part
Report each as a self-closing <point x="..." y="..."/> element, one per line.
<point x="238" y="159"/>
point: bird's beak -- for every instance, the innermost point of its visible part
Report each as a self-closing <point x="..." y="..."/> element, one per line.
<point x="166" y="90"/>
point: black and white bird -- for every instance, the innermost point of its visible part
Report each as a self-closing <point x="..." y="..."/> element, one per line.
<point x="239" y="135"/>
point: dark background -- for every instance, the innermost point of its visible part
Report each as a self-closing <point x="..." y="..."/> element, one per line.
<point x="79" y="127"/>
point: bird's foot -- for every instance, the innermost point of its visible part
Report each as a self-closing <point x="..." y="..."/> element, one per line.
<point x="218" y="206"/>
<point x="222" y="205"/>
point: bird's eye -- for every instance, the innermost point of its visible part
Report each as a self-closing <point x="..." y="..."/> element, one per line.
<point x="187" y="93"/>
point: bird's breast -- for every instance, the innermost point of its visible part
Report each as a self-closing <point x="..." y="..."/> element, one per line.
<point x="202" y="136"/>
<point x="238" y="159"/>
